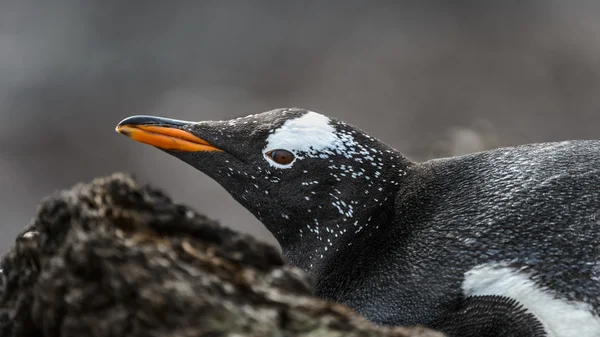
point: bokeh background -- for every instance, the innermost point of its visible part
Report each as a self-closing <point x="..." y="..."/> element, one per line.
<point x="431" y="78"/>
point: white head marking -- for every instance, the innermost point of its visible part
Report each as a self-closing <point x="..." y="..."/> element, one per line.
<point x="310" y="135"/>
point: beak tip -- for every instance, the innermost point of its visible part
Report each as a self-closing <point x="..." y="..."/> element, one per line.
<point x="137" y="120"/>
<point x="125" y="125"/>
<point x="122" y="130"/>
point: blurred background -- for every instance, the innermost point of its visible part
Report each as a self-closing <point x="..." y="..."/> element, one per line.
<point x="431" y="78"/>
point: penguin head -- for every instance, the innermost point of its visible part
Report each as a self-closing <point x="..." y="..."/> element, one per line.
<point x="302" y="174"/>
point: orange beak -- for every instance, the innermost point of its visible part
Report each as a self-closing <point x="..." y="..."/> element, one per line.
<point x="163" y="133"/>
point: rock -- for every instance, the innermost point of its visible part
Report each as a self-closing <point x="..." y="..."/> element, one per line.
<point x="117" y="258"/>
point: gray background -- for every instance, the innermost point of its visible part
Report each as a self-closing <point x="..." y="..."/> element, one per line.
<point x="432" y="79"/>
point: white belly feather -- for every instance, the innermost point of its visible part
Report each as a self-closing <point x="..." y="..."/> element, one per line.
<point x="561" y="318"/>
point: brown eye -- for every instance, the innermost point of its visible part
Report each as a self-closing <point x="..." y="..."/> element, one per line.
<point x="282" y="157"/>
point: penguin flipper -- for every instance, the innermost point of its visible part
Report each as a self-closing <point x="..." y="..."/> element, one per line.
<point x="490" y="316"/>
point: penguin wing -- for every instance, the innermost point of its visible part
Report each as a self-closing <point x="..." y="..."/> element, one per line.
<point x="490" y="316"/>
<point x="556" y="264"/>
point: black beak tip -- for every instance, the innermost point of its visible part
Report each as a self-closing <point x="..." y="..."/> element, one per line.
<point x="152" y="120"/>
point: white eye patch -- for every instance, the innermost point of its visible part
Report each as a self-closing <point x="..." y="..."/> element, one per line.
<point x="309" y="135"/>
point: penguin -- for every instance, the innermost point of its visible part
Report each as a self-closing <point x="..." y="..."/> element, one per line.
<point x="504" y="242"/>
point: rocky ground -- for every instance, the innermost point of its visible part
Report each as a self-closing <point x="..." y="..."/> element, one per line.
<point x="118" y="258"/>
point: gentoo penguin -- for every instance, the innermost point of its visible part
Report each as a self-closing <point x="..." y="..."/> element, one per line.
<point x="497" y="243"/>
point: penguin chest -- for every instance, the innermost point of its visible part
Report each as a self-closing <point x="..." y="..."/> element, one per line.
<point x="559" y="317"/>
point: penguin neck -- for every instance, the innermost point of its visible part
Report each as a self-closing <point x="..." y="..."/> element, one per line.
<point x="317" y="246"/>
<point x="318" y="241"/>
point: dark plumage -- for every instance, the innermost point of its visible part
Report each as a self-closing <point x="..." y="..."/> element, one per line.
<point x="414" y="243"/>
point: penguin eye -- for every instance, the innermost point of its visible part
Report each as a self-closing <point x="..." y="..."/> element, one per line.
<point x="281" y="157"/>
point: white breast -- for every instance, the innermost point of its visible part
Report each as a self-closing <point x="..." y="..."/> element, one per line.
<point x="561" y="318"/>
